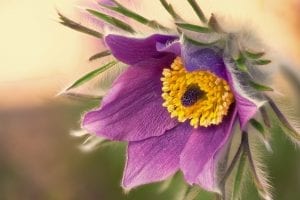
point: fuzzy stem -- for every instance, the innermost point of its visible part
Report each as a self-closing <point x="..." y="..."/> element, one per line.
<point x="236" y="157"/>
<point x="198" y="11"/>
<point x="257" y="180"/>
<point x="292" y="132"/>
<point x="265" y="117"/>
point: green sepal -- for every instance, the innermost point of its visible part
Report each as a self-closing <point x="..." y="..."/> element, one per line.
<point x="78" y="27"/>
<point x="198" y="43"/>
<point x="111" y="20"/>
<point x="262" y="62"/>
<point x="100" y="55"/>
<point x="133" y="15"/>
<point x="239" y="176"/>
<point x="241" y="63"/>
<point x="260" y="87"/>
<point x="254" y="55"/>
<point x="195" y="28"/>
<point x="87" y="77"/>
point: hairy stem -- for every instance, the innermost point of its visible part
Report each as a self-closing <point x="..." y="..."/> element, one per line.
<point x="265" y="116"/>
<point x="235" y="159"/>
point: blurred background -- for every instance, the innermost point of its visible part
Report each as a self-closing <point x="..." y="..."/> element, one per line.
<point x="39" y="57"/>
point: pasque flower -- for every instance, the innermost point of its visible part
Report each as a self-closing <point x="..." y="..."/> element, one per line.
<point x="178" y="100"/>
<point x="175" y="104"/>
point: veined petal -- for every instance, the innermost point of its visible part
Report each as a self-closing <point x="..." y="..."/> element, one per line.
<point x="199" y="159"/>
<point x="196" y="58"/>
<point x="132" y="110"/>
<point x="134" y="50"/>
<point x="156" y="158"/>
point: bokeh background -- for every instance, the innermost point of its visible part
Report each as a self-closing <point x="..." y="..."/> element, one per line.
<point x="39" y="57"/>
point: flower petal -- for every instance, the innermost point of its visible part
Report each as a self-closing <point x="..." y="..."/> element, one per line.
<point x="174" y="47"/>
<point x="199" y="158"/>
<point x="132" y="110"/>
<point x="196" y="58"/>
<point x="156" y="158"/>
<point x="245" y="107"/>
<point x="134" y="50"/>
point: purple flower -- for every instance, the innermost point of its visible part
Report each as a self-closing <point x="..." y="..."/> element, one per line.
<point x="176" y="105"/>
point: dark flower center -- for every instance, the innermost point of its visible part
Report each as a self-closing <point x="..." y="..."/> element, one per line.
<point x="192" y="95"/>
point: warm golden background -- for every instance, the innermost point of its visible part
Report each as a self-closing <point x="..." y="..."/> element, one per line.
<point x="39" y="57"/>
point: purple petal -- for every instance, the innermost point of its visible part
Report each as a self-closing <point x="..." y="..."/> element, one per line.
<point x="174" y="47"/>
<point x="134" y="50"/>
<point x="199" y="158"/>
<point x="246" y="109"/>
<point x="156" y="158"/>
<point x="132" y="110"/>
<point x="209" y="59"/>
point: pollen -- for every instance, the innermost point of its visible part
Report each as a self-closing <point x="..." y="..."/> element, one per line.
<point x="201" y="97"/>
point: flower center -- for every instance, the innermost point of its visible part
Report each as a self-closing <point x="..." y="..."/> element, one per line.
<point x="192" y="94"/>
<point x="198" y="96"/>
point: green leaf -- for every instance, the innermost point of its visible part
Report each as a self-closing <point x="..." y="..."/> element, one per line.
<point x="91" y="75"/>
<point x="262" y="62"/>
<point x="258" y="126"/>
<point x="135" y="16"/>
<point x="260" y="87"/>
<point x="198" y="43"/>
<point x="254" y="55"/>
<point x="100" y="55"/>
<point x="241" y="63"/>
<point x="192" y="27"/>
<point x="78" y="27"/>
<point x="112" y="20"/>
<point x="198" y="10"/>
<point x="239" y="176"/>
<point x="169" y="8"/>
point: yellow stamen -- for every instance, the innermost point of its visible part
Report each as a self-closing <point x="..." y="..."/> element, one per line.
<point x="213" y="93"/>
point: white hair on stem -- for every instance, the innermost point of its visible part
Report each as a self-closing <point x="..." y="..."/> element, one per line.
<point x="258" y="155"/>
